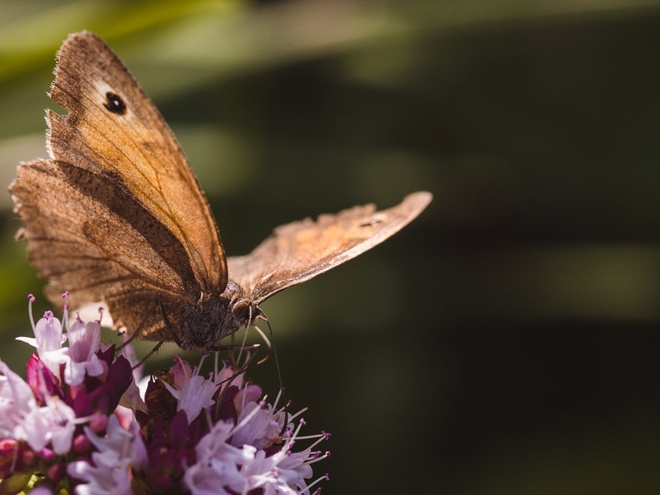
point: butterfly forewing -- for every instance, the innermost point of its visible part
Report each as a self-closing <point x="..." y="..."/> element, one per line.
<point x="113" y="127"/>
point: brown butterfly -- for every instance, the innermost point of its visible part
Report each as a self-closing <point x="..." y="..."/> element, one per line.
<point x="116" y="215"/>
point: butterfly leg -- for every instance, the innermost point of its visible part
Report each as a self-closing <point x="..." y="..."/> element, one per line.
<point x="134" y="335"/>
<point x="149" y="354"/>
<point x="234" y="347"/>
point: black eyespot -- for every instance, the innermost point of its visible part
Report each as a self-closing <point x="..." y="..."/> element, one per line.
<point x="114" y="103"/>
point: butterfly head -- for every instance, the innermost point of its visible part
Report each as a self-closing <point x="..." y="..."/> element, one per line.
<point x="245" y="311"/>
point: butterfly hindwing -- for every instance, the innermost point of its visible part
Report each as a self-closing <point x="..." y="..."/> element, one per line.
<point x="68" y="212"/>
<point x="299" y="251"/>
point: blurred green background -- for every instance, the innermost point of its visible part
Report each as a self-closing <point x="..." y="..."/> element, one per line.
<point x="506" y="341"/>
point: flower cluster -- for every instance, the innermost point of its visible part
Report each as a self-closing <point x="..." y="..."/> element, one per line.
<point x="84" y="423"/>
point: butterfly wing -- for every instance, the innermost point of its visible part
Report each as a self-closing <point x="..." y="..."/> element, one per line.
<point x="116" y="214"/>
<point x="113" y="127"/>
<point x="69" y="213"/>
<point x="299" y="251"/>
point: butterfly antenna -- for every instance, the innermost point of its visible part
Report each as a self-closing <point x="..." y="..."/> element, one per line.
<point x="271" y="343"/>
<point x="265" y="338"/>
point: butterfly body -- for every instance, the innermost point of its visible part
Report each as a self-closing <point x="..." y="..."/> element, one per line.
<point x="116" y="215"/>
<point x="203" y="324"/>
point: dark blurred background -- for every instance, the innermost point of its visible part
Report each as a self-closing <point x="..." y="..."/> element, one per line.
<point x="507" y="340"/>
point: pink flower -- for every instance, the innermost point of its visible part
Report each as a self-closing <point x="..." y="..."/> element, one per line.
<point x="194" y="396"/>
<point x="117" y="453"/>
<point x="253" y="452"/>
<point x="48" y="338"/>
<point x="80" y="357"/>
<point x="262" y="427"/>
<point x="64" y="430"/>
<point x="84" y="340"/>
<point x="52" y="424"/>
<point x="219" y="464"/>
<point x="16" y="401"/>
<point x="225" y="466"/>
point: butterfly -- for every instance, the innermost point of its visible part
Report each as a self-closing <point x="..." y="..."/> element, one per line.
<point x="116" y="215"/>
